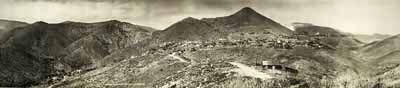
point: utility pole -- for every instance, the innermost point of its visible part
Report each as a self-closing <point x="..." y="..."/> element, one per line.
<point x="256" y="61"/>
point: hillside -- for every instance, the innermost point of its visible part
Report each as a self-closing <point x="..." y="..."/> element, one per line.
<point x="248" y="24"/>
<point x="326" y="35"/>
<point x="205" y="60"/>
<point x="189" y="29"/>
<point x="382" y="52"/>
<point x="242" y="50"/>
<point x="6" y="26"/>
<point x="244" y="24"/>
<point x="384" y="55"/>
<point x="59" y="49"/>
<point x="248" y="20"/>
<point x="183" y="60"/>
<point x="369" y="38"/>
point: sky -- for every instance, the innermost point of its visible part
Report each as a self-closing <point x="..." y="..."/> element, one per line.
<point x="354" y="16"/>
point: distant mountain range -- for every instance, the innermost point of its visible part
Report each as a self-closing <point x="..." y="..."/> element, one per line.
<point x="371" y="38"/>
<point x="383" y="52"/>
<point x="221" y="52"/>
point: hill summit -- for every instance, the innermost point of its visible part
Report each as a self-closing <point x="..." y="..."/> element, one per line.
<point x="244" y="21"/>
<point x="247" y="12"/>
<point x="189" y="29"/>
<point x="248" y="20"/>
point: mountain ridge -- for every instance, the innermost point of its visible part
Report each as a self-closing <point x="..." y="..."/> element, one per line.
<point x="6" y="26"/>
<point x="380" y="49"/>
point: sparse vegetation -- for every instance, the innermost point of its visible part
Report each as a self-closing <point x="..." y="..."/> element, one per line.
<point x="223" y="52"/>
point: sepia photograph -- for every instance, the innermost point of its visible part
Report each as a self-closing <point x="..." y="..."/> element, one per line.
<point x="199" y="44"/>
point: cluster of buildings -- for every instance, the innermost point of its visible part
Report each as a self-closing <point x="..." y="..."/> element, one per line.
<point x="184" y="46"/>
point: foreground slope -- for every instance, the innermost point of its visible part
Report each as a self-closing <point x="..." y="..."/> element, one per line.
<point x="181" y="62"/>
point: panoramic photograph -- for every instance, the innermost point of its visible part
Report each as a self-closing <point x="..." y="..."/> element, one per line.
<point x="199" y="44"/>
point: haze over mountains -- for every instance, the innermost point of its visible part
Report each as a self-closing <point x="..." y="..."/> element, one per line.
<point x="209" y="53"/>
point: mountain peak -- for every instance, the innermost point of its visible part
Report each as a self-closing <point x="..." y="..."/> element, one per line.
<point x="246" y="11"/>
<point x="71" y="22"/>
<point x="186" y="21"/>
<point x="190" y="19"/>
<point x="113" y="21"/>
<point x="68" y="22"/>
<point x="189" y="29"/>
<point x="40" y="23"/>
<point x="247" y="17"/>
<point x="297" y="25"/>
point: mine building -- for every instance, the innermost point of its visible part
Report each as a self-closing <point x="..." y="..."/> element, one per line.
<point x="270" y="67"/>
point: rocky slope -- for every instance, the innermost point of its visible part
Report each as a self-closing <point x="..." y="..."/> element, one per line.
<point x="208" y="64"/>
<point x="59" y="49"/>
<point x="384" y="55"/>
<point x="22" y="69"/>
